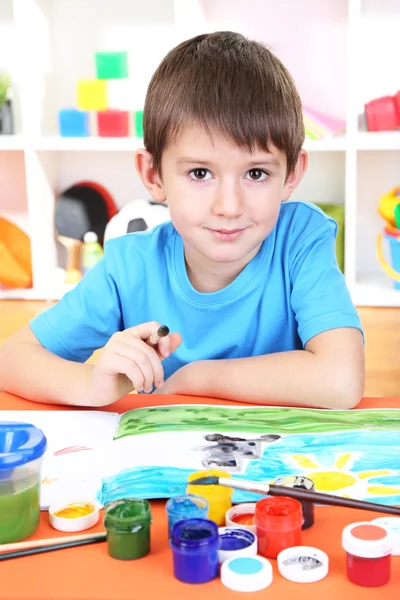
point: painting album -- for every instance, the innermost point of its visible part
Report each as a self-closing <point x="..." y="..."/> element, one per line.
<point x="149" y="452"/>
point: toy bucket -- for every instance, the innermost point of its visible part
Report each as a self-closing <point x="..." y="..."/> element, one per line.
<point x="392" y="235"/>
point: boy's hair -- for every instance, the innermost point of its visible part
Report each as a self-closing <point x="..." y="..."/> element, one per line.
<point x="226" y="83"/>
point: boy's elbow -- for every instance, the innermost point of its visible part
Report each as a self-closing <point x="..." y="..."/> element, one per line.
<point x="348" y="390"/>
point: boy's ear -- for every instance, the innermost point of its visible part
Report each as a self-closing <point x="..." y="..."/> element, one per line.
<point x="295" y="176"/>
<point x="149" y="175"/>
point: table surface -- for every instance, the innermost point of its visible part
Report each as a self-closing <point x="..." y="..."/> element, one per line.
<point x="88" y="572"/>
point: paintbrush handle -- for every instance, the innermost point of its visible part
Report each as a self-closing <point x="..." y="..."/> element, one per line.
<point x="244" y="484"/>
<point x="50" y="541"/>
<point x="331" y="500"/>
<point x="52" y="547"/>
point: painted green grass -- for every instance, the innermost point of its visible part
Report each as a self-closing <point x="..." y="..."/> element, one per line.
<point x="253" y="420"/>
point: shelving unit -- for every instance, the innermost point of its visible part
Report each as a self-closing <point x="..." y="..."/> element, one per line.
<point x="341" y="53"/>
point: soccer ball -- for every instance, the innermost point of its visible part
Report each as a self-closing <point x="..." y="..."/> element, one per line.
<point x="138" y="215"/>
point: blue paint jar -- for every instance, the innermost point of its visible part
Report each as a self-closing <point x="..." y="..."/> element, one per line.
<point x="195" y="544"/>
<point x="188" y="506"/>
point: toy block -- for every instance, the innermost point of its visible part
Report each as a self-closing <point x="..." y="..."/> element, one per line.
<point x="138" y="115"/>
<point x="113" y="123"/>
<point x="121" y="94"/>
<point x="73" y="123"/>
<point x="91" y="94"/>
<point x="111" y="65"/>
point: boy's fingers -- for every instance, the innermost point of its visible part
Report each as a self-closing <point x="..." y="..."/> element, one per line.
<point x="125" y="366"/>
<point x="175" y="340"/>
<point x="146" y="360"/>
<point x="164" y="346"/>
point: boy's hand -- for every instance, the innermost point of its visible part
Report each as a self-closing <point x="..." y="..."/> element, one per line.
<point x="129" y="361"/>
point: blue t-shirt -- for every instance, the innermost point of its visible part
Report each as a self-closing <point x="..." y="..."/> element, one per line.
<point x="291" y="291"/>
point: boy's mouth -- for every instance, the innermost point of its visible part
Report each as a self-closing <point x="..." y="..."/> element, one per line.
<point x="227" y="234"/>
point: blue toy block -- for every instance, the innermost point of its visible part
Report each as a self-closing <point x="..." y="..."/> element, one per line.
<point x="73" y="123"/>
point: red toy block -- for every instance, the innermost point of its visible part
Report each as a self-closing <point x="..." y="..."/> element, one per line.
<point x="113" y="123"/>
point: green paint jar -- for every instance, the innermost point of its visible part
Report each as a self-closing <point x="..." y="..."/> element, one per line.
<point x="128" y="528"/>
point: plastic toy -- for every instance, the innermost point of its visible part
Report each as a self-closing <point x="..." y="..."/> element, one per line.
<point x="138" y="215"/>
<point x="113" y="123"/>
<point x="388" y="208"/>
<point x="387" y="205"/>
<point x="383" y="114"/>
<point x="111" y="65"/>
<point x="15" y="256"/>
<point x="73" y="122"/>
<point x="91" y="94"/>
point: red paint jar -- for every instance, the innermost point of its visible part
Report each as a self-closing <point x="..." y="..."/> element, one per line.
<point x="368" y="548"/>
<point x="278" y="524"/>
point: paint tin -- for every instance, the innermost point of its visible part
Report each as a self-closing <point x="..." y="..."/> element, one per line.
<point x="128" y="528"/>
<point x="73" y="516"/>
<point x="234" y="542"/>
<point x="393" y="524"/>
<point x="219" y="498"/>
<point x="194" y="545"/>
<point x="303" y="564"/>
<point x="304" y="483"/>
<point x="368" y="547"/>
<point x="246" y="573"/>
<point x="185" y="507"/>
<point x="242" y="516"/>
<point x="278" y="521"/>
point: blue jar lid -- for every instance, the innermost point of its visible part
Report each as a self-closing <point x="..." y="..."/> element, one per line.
<point x="20" y="443"/>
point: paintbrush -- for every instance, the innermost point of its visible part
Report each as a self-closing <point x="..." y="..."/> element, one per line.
<point x="297" y="493"/>
<point x="19" y="549"/>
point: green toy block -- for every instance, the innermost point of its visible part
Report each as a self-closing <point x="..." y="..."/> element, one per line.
<point x="138" y="120"/>
<point x="111" y="65"/>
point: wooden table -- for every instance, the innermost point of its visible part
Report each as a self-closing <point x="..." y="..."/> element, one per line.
<point x="88" y="573"/>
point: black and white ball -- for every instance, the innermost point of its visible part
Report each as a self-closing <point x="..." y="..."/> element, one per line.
<point x="138" y="215"/>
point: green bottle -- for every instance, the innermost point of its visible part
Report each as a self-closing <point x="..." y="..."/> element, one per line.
<point x="92" y="251"/>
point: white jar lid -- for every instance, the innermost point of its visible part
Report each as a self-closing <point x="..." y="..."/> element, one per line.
<point x="245" y="508"/>
<point x="77" y="523"/>
<point x="234" y="542"/>
<point x="303" y="564"/>
<point x="367" y="540"/>
<point x="393" y="524"/>
<point x="246" y="573"/>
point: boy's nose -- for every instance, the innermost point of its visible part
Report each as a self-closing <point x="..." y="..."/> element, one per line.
<point x="229" y="201"/>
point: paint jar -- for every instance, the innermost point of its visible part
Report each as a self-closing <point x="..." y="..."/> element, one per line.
<point x="234" y="542"/>
<point x="303" y="483"/>
<point x="368" y="547"/>
<point x="242" y="515"/>
<point x="22" y="447"/>
<point x="194" y="545"/>
<point x="185" y="507"/>
<point x="278" y="522"/>
<point x="128" y="528"/>
<point x="73" y="516"/>
<point x="393" y="524"/>
<point x="219" y="498"/>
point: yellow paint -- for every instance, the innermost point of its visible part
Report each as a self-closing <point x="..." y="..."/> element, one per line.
<point x="75" y="510"/>
<point x="383" y="490"/>
<point x="219" y="498"/>
<point x="305" y="462"/>
<point x="378" y="473"/>
<point x="331" y="481"/>
<point x="342" y="460"/>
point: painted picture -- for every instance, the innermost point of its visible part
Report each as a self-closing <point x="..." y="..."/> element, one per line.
<point x="149" y="452"/>
<point x="349" y="453"/>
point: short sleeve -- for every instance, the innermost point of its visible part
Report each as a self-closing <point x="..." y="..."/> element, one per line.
<point x="320" y="298"/>
<point x="86" y="317"/>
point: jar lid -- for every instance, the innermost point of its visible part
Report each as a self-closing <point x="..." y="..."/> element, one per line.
<point x="234" y="542"/>
<point x="246" y="573"/>
<point x="242" y="516"/>
<point x="74" y="515"/>
<point x="303" y="564"/>
<point x="20" y="443"/>
<point x="393" y="524"/>
<point x="367" y="540"/>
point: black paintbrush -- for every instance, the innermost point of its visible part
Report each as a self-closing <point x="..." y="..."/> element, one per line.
<point x="28" y="548"/>
<point x="297" y="493"/>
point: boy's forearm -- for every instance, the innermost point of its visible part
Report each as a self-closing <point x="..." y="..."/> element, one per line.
<point x="31" y="371"/>
<point x="287" y="378"/>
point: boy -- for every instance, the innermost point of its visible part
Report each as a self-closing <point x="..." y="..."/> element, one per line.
<point x="247" y="282"/>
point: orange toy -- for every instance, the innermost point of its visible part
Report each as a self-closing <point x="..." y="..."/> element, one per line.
<point x="15" y="256"/>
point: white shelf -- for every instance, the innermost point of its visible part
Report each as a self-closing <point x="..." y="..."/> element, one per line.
<point x="375" y="291"/>
<point x="12" y="142"/>
<point x="92" y="144"/>
<point x="379" y="140"/>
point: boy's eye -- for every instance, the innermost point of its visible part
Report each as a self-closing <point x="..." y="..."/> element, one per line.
<point x="257" y="175"/>
<point x="200" y="174"/>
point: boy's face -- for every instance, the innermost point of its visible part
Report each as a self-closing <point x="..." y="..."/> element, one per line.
<point x="224" y="200"/>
